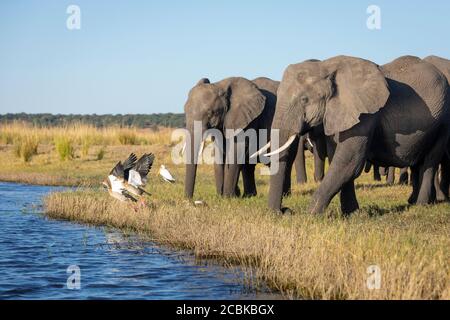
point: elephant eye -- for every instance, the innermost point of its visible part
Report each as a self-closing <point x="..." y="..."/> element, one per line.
<point x="304" y="100"/>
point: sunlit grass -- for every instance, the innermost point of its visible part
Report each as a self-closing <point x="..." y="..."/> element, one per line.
<point x="304" y="256"/>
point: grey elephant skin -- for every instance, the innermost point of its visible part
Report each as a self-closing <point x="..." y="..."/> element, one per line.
<point x="442" y="181"/>
<point x="315" y="142"/>
<point x="395" y="115"/>
<point x="233" y="103"/>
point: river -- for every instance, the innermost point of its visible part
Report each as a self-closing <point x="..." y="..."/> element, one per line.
<point x="42" y="258"/>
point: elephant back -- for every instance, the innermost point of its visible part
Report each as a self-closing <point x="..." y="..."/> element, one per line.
<point x="268" y="88"/>
<point x="442" y="64"/>
<point x="418" y="80"/>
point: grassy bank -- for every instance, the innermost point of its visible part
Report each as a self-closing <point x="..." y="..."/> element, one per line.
<point x="324" y="257"/>
<point x="301" y="255"/>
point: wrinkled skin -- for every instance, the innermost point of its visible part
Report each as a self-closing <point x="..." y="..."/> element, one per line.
<point x="442" y="180"/>
<point x="319" y="150"/>
<point x="233" y="103"/>
<point x="395" y="115"/>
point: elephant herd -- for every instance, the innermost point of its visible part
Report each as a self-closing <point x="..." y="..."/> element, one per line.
<point x="350" y="110"/>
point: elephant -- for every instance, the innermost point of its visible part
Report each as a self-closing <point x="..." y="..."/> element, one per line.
<point x="389" y="173"/>
<point x="395" y="115"/>
<point x="232" y="103"/>
<point x="442" y="180"/>
<point x="315" y="142"/>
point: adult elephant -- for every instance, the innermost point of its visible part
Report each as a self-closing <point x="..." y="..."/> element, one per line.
<point x="235" y="104"/>
<point x="442" y="180"/>
<point x="395" y="115"/>
<point x="315" y="142"/>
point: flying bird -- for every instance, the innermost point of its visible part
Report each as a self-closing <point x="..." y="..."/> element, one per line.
<point x="165" y="174"/>
<point x="137" y="176"/>
<point x="117" y="180"/>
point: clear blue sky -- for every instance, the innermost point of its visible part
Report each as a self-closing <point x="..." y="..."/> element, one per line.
<point x="144" y="56"/>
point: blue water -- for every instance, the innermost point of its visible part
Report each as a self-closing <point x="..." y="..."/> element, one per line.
<point x="35" y="253"/>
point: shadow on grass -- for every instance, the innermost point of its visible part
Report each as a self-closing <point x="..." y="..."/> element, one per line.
<point x="364" y="186"/>
<point x="377" y="211"/>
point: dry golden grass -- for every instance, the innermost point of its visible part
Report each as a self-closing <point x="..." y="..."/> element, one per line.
<point x="302" y="255"/>
<point x="318" y="257"/>
<point x="83" y="135"/>
<point x="91" y="152"/>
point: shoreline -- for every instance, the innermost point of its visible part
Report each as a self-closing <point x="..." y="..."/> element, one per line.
<point x="301" y="256"/>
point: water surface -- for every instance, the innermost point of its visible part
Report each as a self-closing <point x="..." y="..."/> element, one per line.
<point x="35" y="253"/>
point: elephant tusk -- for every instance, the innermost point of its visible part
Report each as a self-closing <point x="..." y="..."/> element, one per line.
<point x="282" y="148"/>
<point x="183" y="149"/>
<point x="260" y="151"/>
<point x="309" y="142"/>
<point x="200" y="151"/>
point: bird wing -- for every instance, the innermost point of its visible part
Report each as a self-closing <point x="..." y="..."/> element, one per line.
<point x="116" y="184"/>
<point x="128" y="164"/>
<point x="166" y="175"/>
<point x="134" y="178"/>
<point x="144" y="164"/>
<point x="118" y="170"/>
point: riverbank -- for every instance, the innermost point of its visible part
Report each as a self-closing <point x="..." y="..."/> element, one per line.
<point x="303" y="256"/>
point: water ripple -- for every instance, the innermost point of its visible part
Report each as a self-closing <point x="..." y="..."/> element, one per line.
<point x="37" y="251"/>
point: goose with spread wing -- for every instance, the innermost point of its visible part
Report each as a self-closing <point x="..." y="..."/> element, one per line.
<point x="117" y="180"/>
<point x="137" y="176"/>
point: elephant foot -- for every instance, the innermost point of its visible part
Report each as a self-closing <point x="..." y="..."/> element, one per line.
<point x="316" y="207"/>
<point x="286" y="211"/>
<point x="237" y="191"/>
<point x="412" y="198"/>
<point x="440" y="197"/>
<point x="349" y="209"/>
<point x="425" y="200"/>
<point x="403" y="180"/>
<point x="249" y="194"/>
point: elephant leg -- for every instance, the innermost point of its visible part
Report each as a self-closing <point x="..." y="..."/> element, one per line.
<point x="440" y="196"/>
<point x="218" y="175"/>
<point x="415" y="182"/>
<point x="231" y="179"/>
<point x="376" y="173"/>
<point x="248" y="177"/>
<point x="219" y="166"/>
<point x="347" y="164"/>
<point x="300" y="163"/>
<point x="383" y="171"/>
<point x="319" y="152"/>
<point x="403" y="179"/>
<point x="390" y="179"/>
<point x="349" y="203"/>
<point x="427" y="191"/>
<point x="445" y="177"/>
<point x="331" y="148"/>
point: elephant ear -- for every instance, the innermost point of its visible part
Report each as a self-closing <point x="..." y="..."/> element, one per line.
<point x="246" y="103"/>
<point x="359" y="88"/>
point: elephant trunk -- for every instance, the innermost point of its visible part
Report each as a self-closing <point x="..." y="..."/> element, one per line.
<point x="277" y="179"/>
<point x="193" y="148"/>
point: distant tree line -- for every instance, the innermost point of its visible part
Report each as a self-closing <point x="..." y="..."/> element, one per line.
<point x="173" y="120"/>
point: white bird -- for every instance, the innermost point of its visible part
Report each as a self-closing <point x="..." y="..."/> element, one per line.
<point x="165" y="174"/>
<point x="116" y="182"/>
<point x="137" y="176"/>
